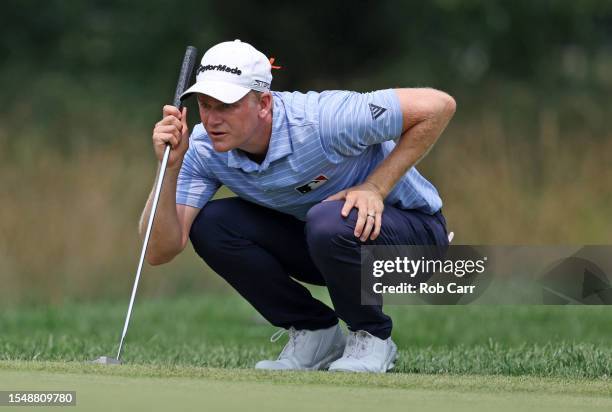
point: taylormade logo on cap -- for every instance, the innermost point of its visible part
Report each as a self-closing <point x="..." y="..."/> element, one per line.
<point x="221" y="67"/>
<point x="229" y="70"/>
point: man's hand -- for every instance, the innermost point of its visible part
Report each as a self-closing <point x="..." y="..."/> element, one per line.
<point x="369" y="203"/>
<point x="172" y="129"/>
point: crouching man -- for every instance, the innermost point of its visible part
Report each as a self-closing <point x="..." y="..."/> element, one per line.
<point x="317" y="175"/>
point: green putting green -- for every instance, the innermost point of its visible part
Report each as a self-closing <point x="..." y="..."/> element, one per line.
<point x="146" y="388"/>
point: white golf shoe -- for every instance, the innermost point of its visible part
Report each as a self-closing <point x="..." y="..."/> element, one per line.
<point x="307" y="349"/>
<point x="366" y="353"/>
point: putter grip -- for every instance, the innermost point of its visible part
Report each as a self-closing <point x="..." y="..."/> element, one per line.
<point x="189" y="61"/>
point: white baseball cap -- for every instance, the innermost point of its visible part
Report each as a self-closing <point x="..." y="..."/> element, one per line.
<point x="229" y="70"/>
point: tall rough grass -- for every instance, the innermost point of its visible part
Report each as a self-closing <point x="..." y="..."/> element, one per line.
<point x="501" y="187"/>
<point x="68" y="222"/>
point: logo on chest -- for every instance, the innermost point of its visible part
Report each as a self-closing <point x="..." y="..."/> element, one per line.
<point x="312" y="185"/>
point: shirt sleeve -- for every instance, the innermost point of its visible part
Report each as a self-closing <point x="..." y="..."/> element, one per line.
<point x="349" y="122"/>
<point x="196" y="185"/>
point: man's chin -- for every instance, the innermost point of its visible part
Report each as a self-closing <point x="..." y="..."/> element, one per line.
<point x="220" y="147"/>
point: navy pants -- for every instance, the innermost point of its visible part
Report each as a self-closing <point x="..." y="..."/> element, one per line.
<point x="260" y="252"/>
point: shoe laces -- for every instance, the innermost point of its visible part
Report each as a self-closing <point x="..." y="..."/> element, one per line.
<point x="358" y="344"/>
<point x="294" y="338"/>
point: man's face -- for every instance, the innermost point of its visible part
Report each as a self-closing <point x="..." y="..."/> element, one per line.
<point x="229" y="125"/>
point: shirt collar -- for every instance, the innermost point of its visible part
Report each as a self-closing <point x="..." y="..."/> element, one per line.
<point x="280" y="143"/>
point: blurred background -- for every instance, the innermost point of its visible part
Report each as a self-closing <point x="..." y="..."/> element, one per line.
<point x="524" y="161"/>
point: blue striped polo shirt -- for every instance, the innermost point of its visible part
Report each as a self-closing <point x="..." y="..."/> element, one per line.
<point x="321" y="143"/>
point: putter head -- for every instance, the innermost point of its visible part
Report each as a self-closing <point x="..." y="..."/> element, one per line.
<point x="106" y="360"/>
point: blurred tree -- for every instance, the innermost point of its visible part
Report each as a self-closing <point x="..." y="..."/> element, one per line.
<point x="57" y="55"/>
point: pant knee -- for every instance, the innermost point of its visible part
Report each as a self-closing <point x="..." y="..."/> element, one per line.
<point x="207" y="234"/>
<point x="327" y="230"/>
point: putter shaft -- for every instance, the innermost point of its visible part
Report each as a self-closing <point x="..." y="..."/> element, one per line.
<point x="184" y="77"/>
<point x="160" y="180"/>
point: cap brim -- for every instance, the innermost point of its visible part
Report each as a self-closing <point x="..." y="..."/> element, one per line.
<point x="225" y="92"/>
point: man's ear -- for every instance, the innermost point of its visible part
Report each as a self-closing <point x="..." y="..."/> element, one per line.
<point x="265" y="104"/>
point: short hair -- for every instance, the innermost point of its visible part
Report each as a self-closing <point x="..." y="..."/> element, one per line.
<point x="256" y="93"/>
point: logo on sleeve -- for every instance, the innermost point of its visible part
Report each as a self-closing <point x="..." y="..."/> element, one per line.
<point x="376" y="111"/>
<point x="312" y="185"/>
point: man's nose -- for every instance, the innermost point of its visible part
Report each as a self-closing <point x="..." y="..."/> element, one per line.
<point x="214" y="118"/>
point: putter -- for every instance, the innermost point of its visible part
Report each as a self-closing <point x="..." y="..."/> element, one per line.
<point x="182" y="84"/>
